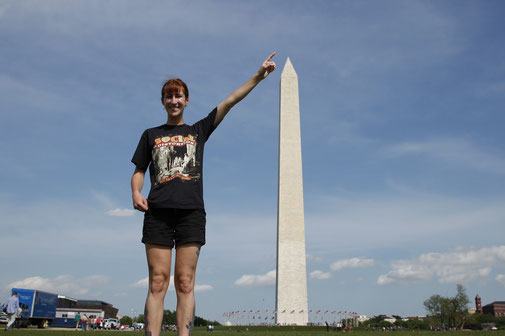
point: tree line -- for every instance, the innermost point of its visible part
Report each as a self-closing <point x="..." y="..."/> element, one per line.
<point x="168" y="319"/>
<point x="443" y="313"/>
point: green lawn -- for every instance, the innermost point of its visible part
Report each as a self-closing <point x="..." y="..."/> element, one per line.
<point x="253" y="331"/>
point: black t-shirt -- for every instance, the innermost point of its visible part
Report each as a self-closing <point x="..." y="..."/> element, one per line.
<point x="174" y="155"/>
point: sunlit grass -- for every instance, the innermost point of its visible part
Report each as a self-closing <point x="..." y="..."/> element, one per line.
<point x="249" y="331"/>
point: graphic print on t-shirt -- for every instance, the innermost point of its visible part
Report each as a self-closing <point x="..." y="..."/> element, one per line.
<point x="175" y="157"/>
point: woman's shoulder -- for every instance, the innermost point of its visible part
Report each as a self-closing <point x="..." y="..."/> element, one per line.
<point x="208" y="119"/>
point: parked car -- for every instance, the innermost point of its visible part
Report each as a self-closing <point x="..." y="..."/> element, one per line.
<point x="112" y="323"/>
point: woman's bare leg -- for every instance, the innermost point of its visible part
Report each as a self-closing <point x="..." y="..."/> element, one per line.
<point x="158" y="262"/>
<point x="186" y="258"/>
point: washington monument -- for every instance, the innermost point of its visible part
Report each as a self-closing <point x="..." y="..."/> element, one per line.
<point x="291" y="287"/>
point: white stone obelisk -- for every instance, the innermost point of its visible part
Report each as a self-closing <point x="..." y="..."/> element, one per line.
<point x="291" y="291"/>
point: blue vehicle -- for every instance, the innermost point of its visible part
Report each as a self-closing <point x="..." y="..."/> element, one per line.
<point x="38" y="307"/>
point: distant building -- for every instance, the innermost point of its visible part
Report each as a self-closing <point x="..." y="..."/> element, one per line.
<point x="71" y="304"/>
<point x="420" y="318"/>
<point x="66" y="302"/>
<point x="68" y="308"/>
<point x="496" y="308"/>
<point x="478" y="304"/>
<point x="65" y="317"/>
<point x="390" y="319"/>
<point x="107" y="308"/>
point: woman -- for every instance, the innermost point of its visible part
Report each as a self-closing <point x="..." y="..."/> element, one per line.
<point x="174" y="214"/>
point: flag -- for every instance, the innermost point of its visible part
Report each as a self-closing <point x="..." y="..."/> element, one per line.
<point x="293" y="311"/>
<point x="283" y="311"/>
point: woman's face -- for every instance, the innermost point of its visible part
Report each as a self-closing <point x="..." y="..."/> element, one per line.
<point x="174" y="103"/>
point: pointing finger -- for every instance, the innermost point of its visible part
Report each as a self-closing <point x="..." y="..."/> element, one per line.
<point x="270" y="57"/>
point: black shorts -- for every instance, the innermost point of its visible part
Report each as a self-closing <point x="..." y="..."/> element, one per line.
<point x="173" y="227"/>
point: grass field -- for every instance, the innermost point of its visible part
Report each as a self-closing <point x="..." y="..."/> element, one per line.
<point x="253" y="331"/>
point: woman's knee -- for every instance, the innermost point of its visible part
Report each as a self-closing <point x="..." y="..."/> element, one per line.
<point x="159" y="282"/>
<point x="184" y="283"/>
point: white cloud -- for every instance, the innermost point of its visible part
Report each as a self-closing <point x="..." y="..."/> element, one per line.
<point x="487" y="89"/>
<point x="456" y="266"/>
<point x="320" y="275"/>
<point x="15" y="89"/>
<point x="484" y="272"/>
<point x="203" y="288"/>
<point x="121" y="212"/>
<point x="417" y="218"/>
<point x="103" y="198"/>
<point x="63" y="284"/>
<point x="265" y="280"/>
<point x="45" y="224"/>
<point x="500" y="278"/>
<point x="313" y="258"/>
<point x="144" y="283"/>
<point x="404" y="272"/>
<point x="460" y="152"/>
<point x="352" y="262"/>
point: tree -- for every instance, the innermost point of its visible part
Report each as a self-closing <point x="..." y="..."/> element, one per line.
<point x="398" y="320"/>
<point x="140" y="318"/>
<point x="126" y="320"/>
<point x="460" y="306"/>
<point x="415" y="324"/>
<point x="169" y="317"/>
<point x="449" y="312"/>
<point x="378" y="322"/>
<point x="475" y="321"/>
<point x="437" y="308"/>
<point x="378" y="318"/>
<point x="200" y="321"/>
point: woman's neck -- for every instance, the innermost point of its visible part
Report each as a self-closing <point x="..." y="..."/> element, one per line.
<point x="175" y="121"/>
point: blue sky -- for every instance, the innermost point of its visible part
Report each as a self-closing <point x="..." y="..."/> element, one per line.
<point x="402" y="112"/>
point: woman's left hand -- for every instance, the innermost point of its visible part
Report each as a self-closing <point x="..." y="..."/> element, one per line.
<point x="267" y="67"/>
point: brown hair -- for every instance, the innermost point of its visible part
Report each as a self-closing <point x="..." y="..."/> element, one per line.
<point x="174" y="85"/>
